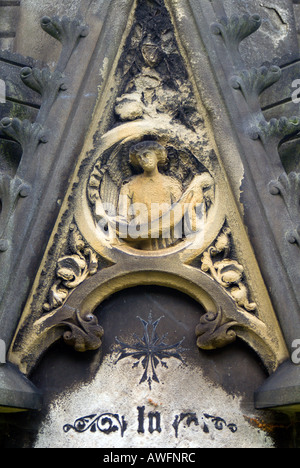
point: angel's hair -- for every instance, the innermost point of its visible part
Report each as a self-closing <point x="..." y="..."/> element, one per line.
<point x="145" y="146"/>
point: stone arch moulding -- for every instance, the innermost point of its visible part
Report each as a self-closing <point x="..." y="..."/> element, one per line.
<point x="75" y="321"/>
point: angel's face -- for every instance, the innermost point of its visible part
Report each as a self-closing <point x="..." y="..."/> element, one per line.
<point x="148" y="160"/>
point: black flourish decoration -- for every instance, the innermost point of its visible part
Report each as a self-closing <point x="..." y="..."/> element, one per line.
<point x="220" y="423"/>
<point x="189" y="417"/>
<point x="106" y="423"/>
<point x="150" y="350"/>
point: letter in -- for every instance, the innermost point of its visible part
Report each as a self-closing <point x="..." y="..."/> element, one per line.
<point x="154" y="417"/>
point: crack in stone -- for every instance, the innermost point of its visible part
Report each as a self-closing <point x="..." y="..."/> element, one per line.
<point x="276" y="12"/>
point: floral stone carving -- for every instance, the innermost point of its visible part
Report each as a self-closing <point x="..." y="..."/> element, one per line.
<point x="72" y="270"/>
<point x="228" y="273"/>
<point x="214" y="331"/>
<point x="288" y="187"/>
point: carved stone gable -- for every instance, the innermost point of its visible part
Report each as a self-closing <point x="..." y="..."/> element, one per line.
<point x="150" y="203"/>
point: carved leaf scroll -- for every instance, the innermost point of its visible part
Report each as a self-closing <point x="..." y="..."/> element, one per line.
<point x="11" y="189"/>
<point x="24" y="132"/>
<point x="276" y="130"/>
<point x="47" y="84"/>
<point x="68" y="32"/>
<point x="64" y="29"/>
<point x="214" y="332"/>
<point x="84" y="334"/>
<point x="71" y="270"/>
<point x="228" y="273"/>
<point x="253" y="82"/>
<point x="235" y="29"/>
<point x="42" y="81"/>
<point x="288" y="187"/>
<point x="29" y="136"/>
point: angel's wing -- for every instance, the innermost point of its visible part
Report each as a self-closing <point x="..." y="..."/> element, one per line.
<point x="118" y="171"/>
<point x="183" y="166"/>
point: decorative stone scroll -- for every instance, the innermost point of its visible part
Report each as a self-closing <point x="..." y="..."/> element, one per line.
<point x="288" y="187"/>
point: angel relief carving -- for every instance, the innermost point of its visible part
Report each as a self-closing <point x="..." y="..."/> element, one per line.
<point x="149" y="200"/>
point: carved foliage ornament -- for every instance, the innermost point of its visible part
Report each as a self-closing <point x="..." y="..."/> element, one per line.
<point x="214" y="331"/>
<point x="235" y="29"/>
<point x="12" y="188"/>
<point x="288" y="187"/>
<point x="253" y="82"/>
<point x="228" y="273"/>
<point x="72" y="269"/>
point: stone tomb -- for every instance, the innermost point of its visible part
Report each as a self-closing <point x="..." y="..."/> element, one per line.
<point x="150" y="367"/>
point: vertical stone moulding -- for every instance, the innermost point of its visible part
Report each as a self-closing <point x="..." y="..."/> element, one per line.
<point x="10" y="190"/>
<point x="29" y="136"/>
<point x="48" y="85"/>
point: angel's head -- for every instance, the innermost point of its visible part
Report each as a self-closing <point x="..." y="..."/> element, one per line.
<point x="148" y="155"/>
